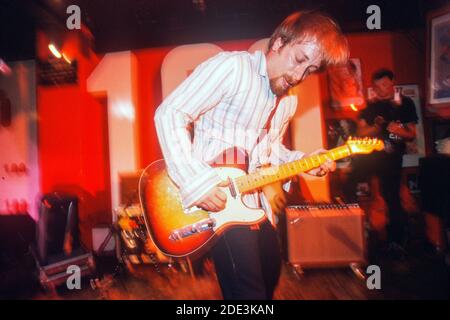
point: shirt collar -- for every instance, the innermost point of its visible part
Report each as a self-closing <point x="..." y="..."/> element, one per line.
<point x="262" y="64"/>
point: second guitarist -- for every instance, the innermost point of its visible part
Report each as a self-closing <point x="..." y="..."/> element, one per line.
<point x="392" y="118"/>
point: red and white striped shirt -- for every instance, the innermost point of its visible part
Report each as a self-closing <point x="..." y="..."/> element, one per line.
<point x="229" y="100"/>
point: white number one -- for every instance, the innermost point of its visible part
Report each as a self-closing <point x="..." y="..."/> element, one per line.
<point x="114" y="75"/>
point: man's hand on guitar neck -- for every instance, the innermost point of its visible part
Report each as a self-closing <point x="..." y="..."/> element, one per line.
<point x="328" y="166"/>
<point x="215" y="200"/>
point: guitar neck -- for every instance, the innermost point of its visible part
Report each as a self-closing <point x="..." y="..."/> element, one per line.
<point x="269" y="175"/>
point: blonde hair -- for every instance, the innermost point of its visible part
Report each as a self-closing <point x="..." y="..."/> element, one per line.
<point x="314" y="26"/>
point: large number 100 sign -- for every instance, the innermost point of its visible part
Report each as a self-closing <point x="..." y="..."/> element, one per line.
<point x="114" y="74"/>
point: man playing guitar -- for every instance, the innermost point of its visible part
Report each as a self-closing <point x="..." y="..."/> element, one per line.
<point x="231" y="98"/>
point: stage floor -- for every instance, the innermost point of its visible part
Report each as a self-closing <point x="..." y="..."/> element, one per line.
<point x="423" y="275"/>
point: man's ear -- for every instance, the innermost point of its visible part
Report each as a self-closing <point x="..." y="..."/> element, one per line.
<point x="277" y="44"/>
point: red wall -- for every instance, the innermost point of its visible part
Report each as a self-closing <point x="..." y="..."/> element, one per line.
<point x="73" y="139"/>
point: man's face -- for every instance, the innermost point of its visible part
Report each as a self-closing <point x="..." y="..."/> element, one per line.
<point x="384" y="88"/>
<point x="290" y="64"/>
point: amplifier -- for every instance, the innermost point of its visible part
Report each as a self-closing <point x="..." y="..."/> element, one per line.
<point x="325" y="235"/>
<point x="57" y="226"/>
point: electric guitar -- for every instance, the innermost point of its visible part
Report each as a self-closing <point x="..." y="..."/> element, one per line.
<point x="179" y="231"/>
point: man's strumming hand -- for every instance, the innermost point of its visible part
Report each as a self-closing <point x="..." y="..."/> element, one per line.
<point x="215" y="200"/>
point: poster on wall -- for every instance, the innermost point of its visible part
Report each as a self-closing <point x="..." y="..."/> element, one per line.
<point x="345" y="83"/>
<point x="415" y="148"/>
<point x="19" y="171"/>
<point x="439" y="85"/>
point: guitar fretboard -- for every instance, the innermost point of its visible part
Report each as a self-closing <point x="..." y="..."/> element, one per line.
<point x="269" y="175"/>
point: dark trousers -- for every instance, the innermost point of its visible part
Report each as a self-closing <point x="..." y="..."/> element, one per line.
<point x="388" y="168"/>
<point x="248" y="262"/>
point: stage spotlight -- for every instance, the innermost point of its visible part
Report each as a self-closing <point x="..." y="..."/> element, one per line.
<point x="55" y="51"/>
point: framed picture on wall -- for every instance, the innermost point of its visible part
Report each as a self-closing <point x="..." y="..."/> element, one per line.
<point x="439" y="58"/>
<point x="345" y="83"/>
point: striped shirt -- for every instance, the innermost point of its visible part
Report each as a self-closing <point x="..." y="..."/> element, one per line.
<point x="228" y="100"/>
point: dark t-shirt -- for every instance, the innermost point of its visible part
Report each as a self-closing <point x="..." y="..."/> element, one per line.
<point x="404" y="113"/>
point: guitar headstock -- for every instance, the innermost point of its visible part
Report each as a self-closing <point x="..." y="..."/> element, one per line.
<point x="364" y="145"/>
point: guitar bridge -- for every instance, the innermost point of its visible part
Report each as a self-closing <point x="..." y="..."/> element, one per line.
<point x="189" y="230"/>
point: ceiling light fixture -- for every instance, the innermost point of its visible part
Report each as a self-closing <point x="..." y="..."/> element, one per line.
<point x="55" y="51"/>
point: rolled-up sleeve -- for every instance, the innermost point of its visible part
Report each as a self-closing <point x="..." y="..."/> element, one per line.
<point x="200" y="92"/>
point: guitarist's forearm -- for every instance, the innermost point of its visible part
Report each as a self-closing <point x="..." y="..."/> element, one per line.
<point x="407" y="132"/>
<point x="193" y="176"/>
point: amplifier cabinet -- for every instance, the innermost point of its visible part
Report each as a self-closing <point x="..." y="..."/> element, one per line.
<point x="325" y="235"/>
